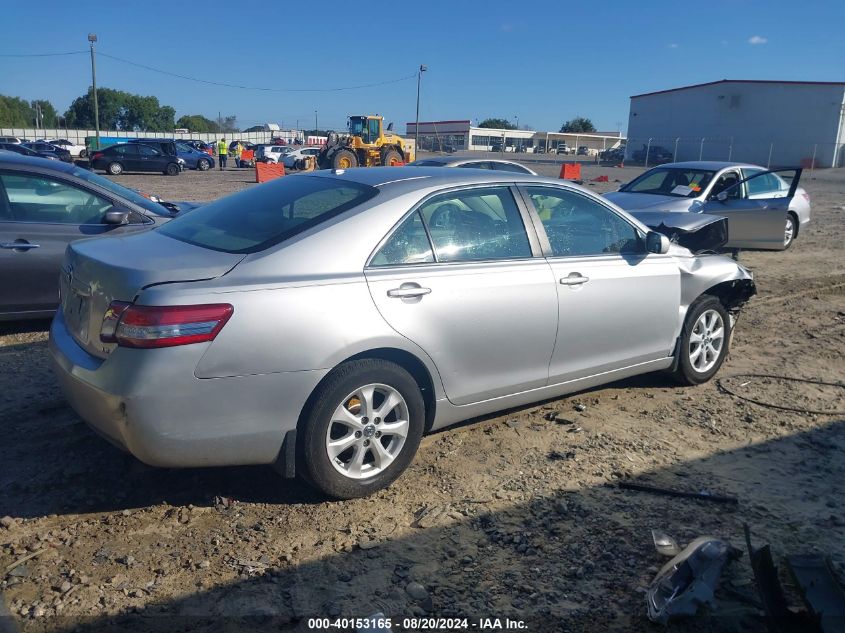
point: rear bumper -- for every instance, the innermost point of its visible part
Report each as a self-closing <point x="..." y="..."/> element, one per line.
<point x="149" y="403"/>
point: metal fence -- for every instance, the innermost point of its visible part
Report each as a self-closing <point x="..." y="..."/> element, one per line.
<point x="770" y="153"/>
<point x="78" y="136"/>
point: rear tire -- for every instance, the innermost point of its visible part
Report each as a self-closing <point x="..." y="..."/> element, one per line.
<point x="390" y="158"/>
<point x="203" y="164"/>
<point x="368" y="451"/>
<point x="344" y="159"/>
<point x="790" y="230"/>
<point x="83" y="153"/>
<point x="115" y="169"/>
<point x="704" y="341"/>
<point x="172" y="169"/>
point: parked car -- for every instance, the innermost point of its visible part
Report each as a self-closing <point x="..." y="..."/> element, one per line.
<point x="201" y="145"/>
<point x="563" y="148"/>
<point x="16" y="140"/>
<point x="290" y="159"/>
<point x="23" y="150"/>
<point x="163" y="145"/>
<point x="244" y="144"/>
<point x="45" y="205"/>
<point x="472" y="293"/>
<point x="472" y="163"/>
<point x="763" y="209"/>
<point x="117" y="159"/>
<point x="76" y="150"/>
<point x="656" y="154"/>
<point x="615" y="154"/>
<point x="45" y="150"/>
<point x="272" y="153"/>
<point x="496" y="146"/>
<point x="194" y="158"/>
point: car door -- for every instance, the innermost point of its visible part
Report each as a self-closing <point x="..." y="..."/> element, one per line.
<point x="756" y="211"/>
<point x="126" y="154"/>
<point x="39" y="216"/>
<point x="463" y="279"/>
<point x="618" y="303"/>
<point x="150" y="159"/>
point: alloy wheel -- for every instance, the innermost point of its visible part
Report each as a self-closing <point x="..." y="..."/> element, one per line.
<point x="367" y="431"/>
<point x="706" y="341"/>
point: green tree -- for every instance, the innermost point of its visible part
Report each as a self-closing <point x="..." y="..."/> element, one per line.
<point x="197" y="123"/>
<point x="15" y="112"/>
<point x="49" y="116"/>
<point x="120" y="110"/>
<point x="578" y="124"/>
<point x="498" y="124"/>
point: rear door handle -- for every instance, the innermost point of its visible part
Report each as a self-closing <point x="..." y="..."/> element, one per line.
<point x="574" y="279"/>
<point x="24" y="246"/>
<point x="408" y="291"/>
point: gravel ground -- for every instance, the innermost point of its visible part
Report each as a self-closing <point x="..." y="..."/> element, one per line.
<point x="518" y="515"/>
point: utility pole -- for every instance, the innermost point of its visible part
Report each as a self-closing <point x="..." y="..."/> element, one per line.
<point x="423" y="68"/>
<point x="92" y="37"/>
<point x="316" y="127"/>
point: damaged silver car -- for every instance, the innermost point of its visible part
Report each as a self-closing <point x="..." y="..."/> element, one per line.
<point x="323" y="323"/>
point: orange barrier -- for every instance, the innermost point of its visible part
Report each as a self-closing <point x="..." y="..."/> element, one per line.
<point x="268" y="171"/>
<point x="398" y="164"/>
<point x="570" y="171"/>
<point x="600" y="179"/>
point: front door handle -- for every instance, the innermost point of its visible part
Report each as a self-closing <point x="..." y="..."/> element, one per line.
<point x="23" y="246"/>
<point x="408" y="291"/>
<point x="574" y="279"/>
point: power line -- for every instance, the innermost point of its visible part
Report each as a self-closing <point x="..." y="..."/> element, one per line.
<point x="42" y="54"/>
<point x="265" y="89"/>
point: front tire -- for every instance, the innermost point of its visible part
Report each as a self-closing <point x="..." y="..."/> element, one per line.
<point x="790" y="230"/>
<point x="344" y="159"/>
<point x="203" y="164"/>
<point x="362" y="430"/>
<point x="704" y="341"/>
<point x="172" y="169"/>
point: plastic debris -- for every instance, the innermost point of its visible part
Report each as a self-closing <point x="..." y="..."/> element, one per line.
<point x="665" y="544"/>
<point x="688" y="580"/>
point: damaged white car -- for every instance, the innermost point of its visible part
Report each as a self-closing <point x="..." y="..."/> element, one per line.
<point x="323" y="323"/>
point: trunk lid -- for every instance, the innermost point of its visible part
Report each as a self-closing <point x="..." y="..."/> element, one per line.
<point x="98" y="271"/>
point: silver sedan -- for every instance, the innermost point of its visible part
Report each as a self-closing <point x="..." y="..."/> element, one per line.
<point x="763" y="209"/>
<point x="323" y="323"/>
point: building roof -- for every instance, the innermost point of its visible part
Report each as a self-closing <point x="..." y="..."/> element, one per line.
<point x="742" y="81"/>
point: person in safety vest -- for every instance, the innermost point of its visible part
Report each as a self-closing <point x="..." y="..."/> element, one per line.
<point x="222" y="153"/>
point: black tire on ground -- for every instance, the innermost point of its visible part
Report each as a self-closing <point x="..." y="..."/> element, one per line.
<point x="203" y="164"/>
<point x="344" y="159"/>
<point x="83" y="153"/>
<point x="115" y="169"/>
<point x="790" y="230"/>
<point x="390" y="157"/>
<point x="172" y="169"/>
<point x="313" y="461"/>
<point x="686" y="373"/>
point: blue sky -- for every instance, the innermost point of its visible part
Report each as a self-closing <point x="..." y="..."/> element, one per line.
<point x="543" y="61"/>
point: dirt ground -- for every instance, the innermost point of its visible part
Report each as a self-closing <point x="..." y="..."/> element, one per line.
<point x="514" y="516"/>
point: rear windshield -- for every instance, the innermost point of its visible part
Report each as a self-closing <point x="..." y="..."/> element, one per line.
<point x="255" y="219"/>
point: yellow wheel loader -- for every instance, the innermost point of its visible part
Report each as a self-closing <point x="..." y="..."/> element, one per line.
<point x="365" y="145"/>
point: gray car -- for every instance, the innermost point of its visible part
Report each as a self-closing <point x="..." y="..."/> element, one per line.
<point x="45" y="205"/>
<point x="763" y="209"/>
<point x="472" y="163"/>
<point x="323" y="322"/>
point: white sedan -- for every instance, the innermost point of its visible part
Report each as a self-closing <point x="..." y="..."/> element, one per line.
<point x="291" y="158"/>
<point x="74" y="149"/>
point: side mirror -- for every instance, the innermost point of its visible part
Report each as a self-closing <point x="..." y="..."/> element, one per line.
<point x="656" y="243"/>
<point x="722" y="196"/>
<point x="116" y="217"/>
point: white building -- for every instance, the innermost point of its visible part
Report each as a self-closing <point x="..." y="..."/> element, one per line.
<point x="440" y="136"/>
<point x="777" y="123"/>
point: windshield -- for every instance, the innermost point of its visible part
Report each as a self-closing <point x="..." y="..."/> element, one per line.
<point x="258" y="218"/>
<point x="356" y="126"/>
<point x="678" y="182"/>
<point x="129" y="194"/>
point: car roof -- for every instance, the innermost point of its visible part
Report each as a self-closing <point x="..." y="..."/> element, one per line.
<point x="714" y="165"/>
<point x="13" y="159"/>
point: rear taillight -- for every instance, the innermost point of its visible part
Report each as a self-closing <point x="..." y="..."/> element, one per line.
<point x="131" y="325"/>
<point x="97" y="156"/>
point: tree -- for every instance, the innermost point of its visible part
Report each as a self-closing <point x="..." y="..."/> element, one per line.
<point x="578" y="124"/>
<point x="120" y="110"/>
<point x="498" y="124"/>
<point x="197" y="123"/>
<point x="15" y="112"/>
<point x="254" y="128"/>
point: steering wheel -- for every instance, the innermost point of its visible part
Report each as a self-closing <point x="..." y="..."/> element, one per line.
<point x="442" y="216"/>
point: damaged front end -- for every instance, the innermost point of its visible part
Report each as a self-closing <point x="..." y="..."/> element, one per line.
<point x="698" y="233"/>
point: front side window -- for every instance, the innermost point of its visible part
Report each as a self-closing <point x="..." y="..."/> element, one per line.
<point x="258" y="218"/>
<point x="36" y="198"/>
<point x="476" y="224"/>
<point x="761" y="184"/>
<point x="579" y="226"/>
<point x="726" y="182"/>
<point x="408" y="245"/>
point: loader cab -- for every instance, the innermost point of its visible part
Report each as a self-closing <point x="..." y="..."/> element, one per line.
<point x="368" y="128"/>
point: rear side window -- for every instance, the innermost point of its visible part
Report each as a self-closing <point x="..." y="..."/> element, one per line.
<point x="258" y="218"/>
<point x="519" y="169"/>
